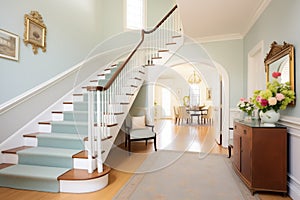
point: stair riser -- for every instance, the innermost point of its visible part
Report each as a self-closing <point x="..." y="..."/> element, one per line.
<point x="30" y="141"/>
<point x="10" y="158"/>
<point x="83" y="163"/>
<point x="78" y="98"/>
<point x="84" y="186"/>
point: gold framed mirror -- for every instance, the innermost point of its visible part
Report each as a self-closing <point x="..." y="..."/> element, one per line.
<point x="281" y="59"/>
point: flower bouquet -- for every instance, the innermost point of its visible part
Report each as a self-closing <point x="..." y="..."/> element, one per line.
<point x="246" y="106"/>
<point x="276" y="97"/>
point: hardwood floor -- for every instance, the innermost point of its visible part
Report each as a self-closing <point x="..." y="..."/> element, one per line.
<point x="170" y="137"/>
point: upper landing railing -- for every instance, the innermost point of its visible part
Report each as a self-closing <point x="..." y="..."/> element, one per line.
<point x="169" y="24"/>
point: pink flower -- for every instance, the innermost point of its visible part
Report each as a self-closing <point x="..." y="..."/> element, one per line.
<point x="272" y="101"/>
<point x="258" y="98"/>
<point x="276" y="74"/>
<point x="279" y="97"/>
<point x="243" y="99"/>
<point x="263" y="102"/>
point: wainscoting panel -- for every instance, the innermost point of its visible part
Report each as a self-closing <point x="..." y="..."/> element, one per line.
<point x="293" y="155"/>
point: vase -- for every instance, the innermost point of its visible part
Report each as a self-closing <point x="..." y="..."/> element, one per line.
<point x="269" y="117"/>
<point x="248" y="118"/>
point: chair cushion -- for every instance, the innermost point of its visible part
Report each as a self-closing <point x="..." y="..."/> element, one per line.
<point x="141" y="133"/>
<point x="138" y="122"/>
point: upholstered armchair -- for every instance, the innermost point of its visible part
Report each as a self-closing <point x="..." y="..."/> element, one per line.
<point x="136" y="129"/>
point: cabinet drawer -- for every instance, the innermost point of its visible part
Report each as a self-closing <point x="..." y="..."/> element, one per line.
<point x="242" y="130"/>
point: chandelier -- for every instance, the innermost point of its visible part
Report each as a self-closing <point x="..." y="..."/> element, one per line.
<point x="194" y="79"/>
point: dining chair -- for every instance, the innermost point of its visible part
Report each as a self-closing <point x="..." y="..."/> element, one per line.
<point x="207" y="117"/>
<point x="183" y="114"/>
<point x="176" y="114"/>
<point x="136" y="129"/>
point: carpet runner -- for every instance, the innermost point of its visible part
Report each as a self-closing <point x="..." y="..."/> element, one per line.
<point x="39" y="167"/>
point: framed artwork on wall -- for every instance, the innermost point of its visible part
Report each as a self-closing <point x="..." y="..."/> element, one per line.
<point x="35" y="31"/>
<point x="9" y="45"/>
<point x="208" y="94"/>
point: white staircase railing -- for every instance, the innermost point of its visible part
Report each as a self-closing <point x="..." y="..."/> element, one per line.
<point x="105" y="100"/>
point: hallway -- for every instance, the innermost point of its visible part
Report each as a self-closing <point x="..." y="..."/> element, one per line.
<point x="169" y="137"/>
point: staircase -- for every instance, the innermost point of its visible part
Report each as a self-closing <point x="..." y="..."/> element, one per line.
<point x="66" y="153"/>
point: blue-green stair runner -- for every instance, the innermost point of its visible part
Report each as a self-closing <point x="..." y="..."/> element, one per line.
<point x="39" y="167"/>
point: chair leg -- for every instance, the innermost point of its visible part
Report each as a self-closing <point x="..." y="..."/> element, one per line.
<point x="155" y="143"/>
<point x="129" y="146"/>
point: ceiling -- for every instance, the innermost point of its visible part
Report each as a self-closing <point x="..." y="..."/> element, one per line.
<point x="214" y="20"/>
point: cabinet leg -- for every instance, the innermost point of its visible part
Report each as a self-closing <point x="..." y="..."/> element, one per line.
<point x="229" y="150"/>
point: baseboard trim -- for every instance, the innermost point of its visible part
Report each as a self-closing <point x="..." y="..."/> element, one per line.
<point x="294" y="187"/>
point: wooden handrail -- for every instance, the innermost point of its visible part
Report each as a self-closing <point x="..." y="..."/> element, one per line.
<point x="162" y="21"/>
<point x="116" y="74"/>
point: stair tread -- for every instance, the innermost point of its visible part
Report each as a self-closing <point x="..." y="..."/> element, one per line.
<point x="83" y="154"/>
<point x="15" y="150"/>
<point x="164" y="50"/>
<point x="34" y="171"/>
<point x="4" y="165"/>
<point x="59" y="135"/>
<point x="50" y="151"/>
<point x="77" y="94"/>
<point x="76" y="111"/>
<point x="80" y="123"/>
<point x="176" y="36"/>
<point x="171" y="43"/>
<point x="81" y="174"/>
<point x="33" y="135"/>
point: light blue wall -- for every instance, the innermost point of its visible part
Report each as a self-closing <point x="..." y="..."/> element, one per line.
<point x="112" y="17"/>
<point x="229" y="54"/>
<point x="279" y="22"/>
<point x="72" y="27"/>
<point x="157" y="9"/>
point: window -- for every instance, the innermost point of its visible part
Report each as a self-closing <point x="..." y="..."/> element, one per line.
<point x="194" y="95"/>
<point x="135" y="14"/>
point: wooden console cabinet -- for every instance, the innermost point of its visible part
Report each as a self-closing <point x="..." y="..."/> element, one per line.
<point x="260" y="156"/>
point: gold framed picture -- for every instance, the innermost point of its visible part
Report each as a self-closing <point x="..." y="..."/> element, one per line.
<point x="9" y="45"/>
<point x="35" y="31"/>
<point x="208" y="94"/>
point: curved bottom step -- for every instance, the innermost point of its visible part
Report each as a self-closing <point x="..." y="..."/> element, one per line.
<point x="80" y="181"/>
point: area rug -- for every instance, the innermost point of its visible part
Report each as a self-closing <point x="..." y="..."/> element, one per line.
<point x="177" y="175"/>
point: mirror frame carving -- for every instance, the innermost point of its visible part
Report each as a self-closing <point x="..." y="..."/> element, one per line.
<point x="276" y="52"/>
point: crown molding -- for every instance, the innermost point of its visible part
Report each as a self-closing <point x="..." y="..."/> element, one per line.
<point x="218" y="38"/>
<point x="256" y="16"/>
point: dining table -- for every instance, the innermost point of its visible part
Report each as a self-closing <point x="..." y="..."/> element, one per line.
<point x="197" y="111"/>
